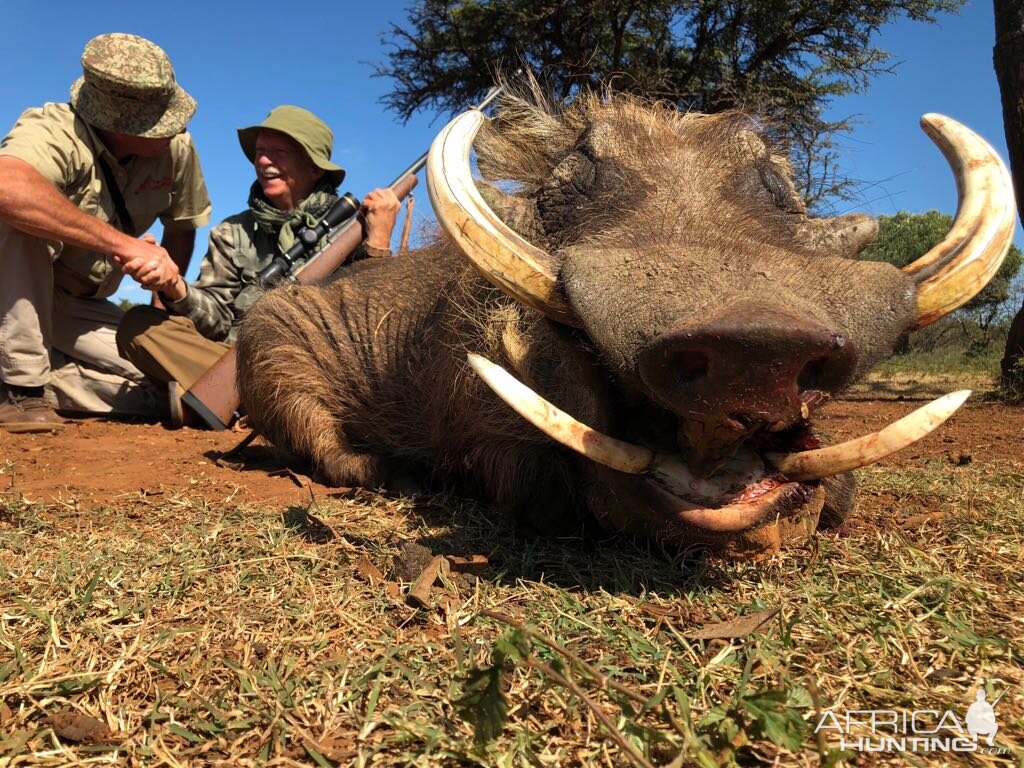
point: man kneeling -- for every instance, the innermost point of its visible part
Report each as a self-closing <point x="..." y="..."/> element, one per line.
<point x="296" y="183"/>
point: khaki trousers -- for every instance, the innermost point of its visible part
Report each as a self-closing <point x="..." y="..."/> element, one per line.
<point x="166" y="347"/>
<point x="49" y="338"/>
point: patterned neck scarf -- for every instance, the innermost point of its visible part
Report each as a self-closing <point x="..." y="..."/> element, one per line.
<point x="283" y="225"/>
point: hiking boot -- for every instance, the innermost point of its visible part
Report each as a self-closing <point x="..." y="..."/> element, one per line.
<point x="21" y="412"/>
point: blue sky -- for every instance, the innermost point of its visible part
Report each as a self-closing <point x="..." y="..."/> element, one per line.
<point x="240" y="59"/>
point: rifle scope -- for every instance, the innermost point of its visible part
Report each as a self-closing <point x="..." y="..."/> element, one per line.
<point x="306" y="239"/>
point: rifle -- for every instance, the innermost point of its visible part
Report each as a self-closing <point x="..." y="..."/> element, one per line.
<point x="214" y="396"/>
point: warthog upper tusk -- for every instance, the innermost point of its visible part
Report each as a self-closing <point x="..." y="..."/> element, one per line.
<point x="505" y="258"/>
<point x="853" y="454"/>
<point x="952" y="272"/>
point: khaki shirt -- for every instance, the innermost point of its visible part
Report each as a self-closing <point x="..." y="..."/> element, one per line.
<point x="63" y="149"/>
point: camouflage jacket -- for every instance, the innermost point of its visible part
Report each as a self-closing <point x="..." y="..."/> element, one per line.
<point x="226" y="288"/>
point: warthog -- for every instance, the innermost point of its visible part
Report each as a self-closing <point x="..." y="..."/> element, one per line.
<point x="644" y="286"/>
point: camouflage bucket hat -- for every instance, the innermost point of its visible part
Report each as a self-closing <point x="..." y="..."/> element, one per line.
<point x="303" y="127"/>
<point x="128" y="87"/>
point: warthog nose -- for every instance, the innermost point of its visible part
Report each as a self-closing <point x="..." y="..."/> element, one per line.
<point x="746" y="366"/>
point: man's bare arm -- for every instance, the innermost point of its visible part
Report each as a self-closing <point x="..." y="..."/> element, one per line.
<point x="31" y="203"/>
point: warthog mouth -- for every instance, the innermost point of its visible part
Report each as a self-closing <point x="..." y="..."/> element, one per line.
<point x="758" y="504"/>
<point x="754" y="486"/>
<point x="744" y="492"/>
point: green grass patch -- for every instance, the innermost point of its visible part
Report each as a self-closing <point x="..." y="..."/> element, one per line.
<point x="194" y="634"/>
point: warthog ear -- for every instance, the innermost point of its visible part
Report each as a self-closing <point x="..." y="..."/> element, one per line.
<point x="523" y="141"/>
<point x="843" y="236"/>
<point x="561" y="199"/>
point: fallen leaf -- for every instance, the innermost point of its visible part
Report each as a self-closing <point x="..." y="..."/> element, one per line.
<point x="338" y="749"/>
<point x="83" y="729"/>
<point x="474" y="564"/>
<point x="916" y="521"/>
<point x="419" y="594"/>
<point x="945" y="673"/>
<point x="367" y="571"/>
<point x="738" y="627"/>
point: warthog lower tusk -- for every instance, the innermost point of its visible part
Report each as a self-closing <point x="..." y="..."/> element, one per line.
<point x="636" y="460"/>
<point x="558" y="425"/>
<point x="853" y="454"/>
<point x="587" y="441"/>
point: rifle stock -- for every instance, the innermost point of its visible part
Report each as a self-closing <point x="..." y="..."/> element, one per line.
<point x="214" y="396"/>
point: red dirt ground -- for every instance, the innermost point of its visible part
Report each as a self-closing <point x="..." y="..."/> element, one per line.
<point x="95" y="462"/>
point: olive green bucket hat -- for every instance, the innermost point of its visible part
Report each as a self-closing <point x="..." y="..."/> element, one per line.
<point x="128" y="86"/>
<point x="306" y="129"/>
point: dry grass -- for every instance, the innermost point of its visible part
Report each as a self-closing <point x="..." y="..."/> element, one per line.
<point x="228" y="636"/>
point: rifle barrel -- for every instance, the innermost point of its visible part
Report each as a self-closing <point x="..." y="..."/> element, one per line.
<point x="416" y="167"/>
<point x="413" y="169"/>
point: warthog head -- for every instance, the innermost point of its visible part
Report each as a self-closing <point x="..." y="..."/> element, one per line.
<point x="661" y="282"/>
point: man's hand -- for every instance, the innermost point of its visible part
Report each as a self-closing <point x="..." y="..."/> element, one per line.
<point x="380" y="212"/>
<point x="147" y="263"/>
<point x="175" y="290"/>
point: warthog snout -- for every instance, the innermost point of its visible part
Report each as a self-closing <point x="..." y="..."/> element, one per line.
<point x="747" y="369"/>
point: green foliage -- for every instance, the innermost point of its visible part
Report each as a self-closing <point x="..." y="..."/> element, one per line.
<point x="483" y="704"/>
<point x="783" y="60"/>
<point x="907" y="236"/>
<point x="777" y="714"/>
<point x="773" y="714"/>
